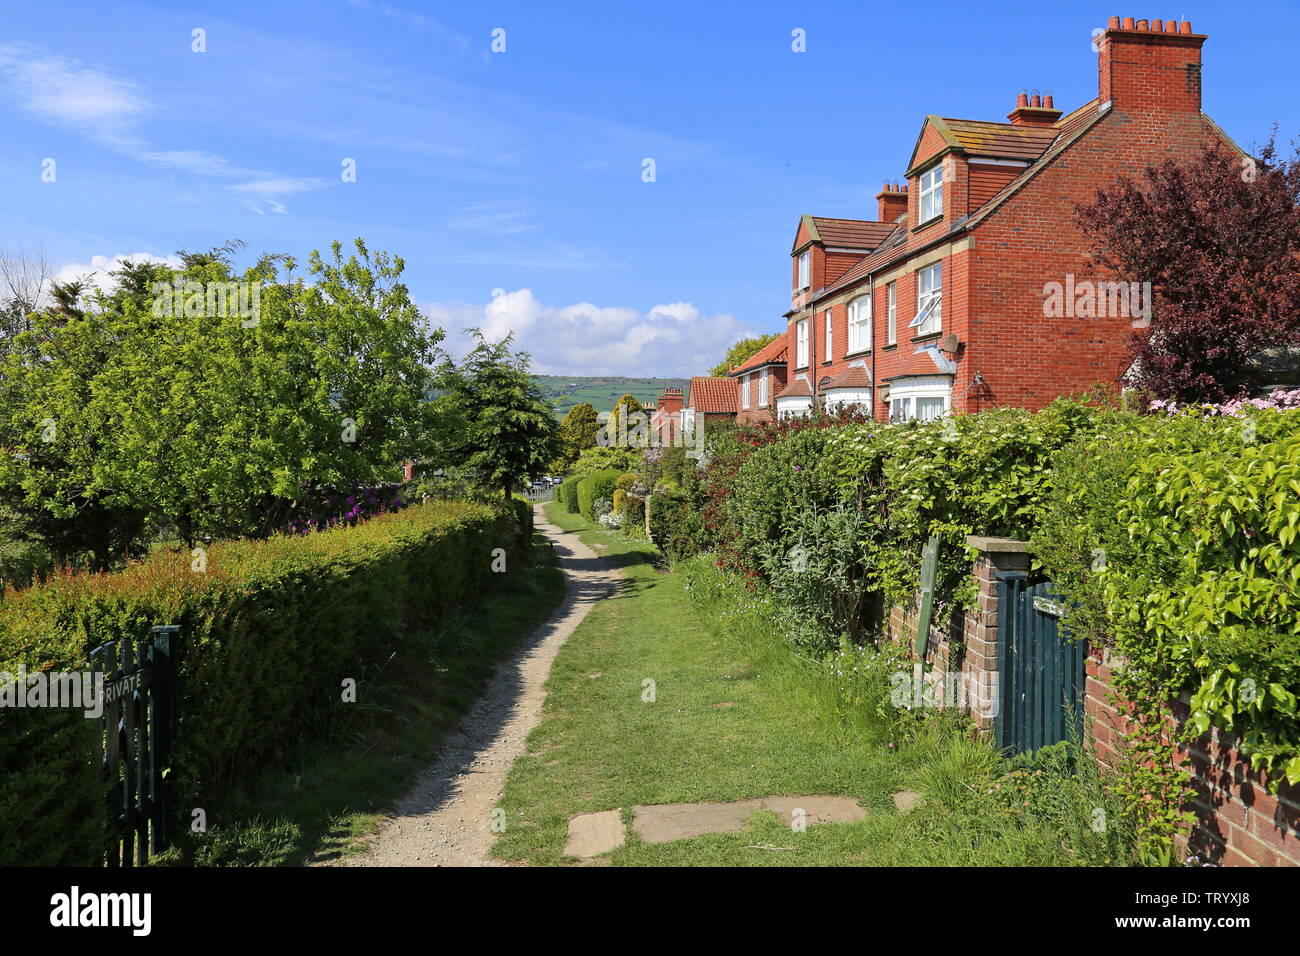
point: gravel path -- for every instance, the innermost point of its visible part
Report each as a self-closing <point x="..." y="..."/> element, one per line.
<point x="446" y="820"/>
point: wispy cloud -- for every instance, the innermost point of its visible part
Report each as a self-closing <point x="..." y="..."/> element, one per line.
<point x="108" y="109"/>
<point x="503" y="217"/>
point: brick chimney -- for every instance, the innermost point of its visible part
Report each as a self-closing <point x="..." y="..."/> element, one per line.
<point x="891" y="202"/>
<point x="670" y="402"/>
<point x="1150" y="66"/>
<point x="1034" y="111"/>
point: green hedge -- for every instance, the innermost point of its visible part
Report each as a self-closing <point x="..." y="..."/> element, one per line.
<point x="1177" y="541"/>
<point x="567" y="493"/>
<point x="270" y="631"/>
<point x="597" y="485"/>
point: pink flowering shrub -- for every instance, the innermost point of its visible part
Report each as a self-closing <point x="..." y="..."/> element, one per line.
<point x="1278" y="398"/>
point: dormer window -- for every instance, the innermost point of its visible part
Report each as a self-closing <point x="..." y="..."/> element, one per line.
<point x="932" y="193"/>
<point x="804" y="260"/>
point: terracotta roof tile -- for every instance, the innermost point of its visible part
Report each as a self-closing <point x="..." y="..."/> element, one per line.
<point x="773" y="353"/>
<point x="795" y="389"/>
<point x="712" y="395"/>
<point x="854" y="233"/>
<point x="853" y="377"/>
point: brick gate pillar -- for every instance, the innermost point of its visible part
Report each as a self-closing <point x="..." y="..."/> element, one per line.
<point x="998" y="558"/>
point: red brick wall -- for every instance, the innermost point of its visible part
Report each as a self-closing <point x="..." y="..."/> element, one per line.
<point x="1239" y="823"/>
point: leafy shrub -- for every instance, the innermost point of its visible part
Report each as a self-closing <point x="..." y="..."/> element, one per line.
<point x="675" y="525"/>
<point x="1177" y="541"/>
<point x="620" y="501"/>
<point x="597" y="485"/>
<point x="269" y="632"/>
<point x="567" y="493"/>
<point x="634" y="516"/>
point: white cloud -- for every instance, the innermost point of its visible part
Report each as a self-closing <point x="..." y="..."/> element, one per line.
<point x="99" y="267"/>
<point x="107" y="109"/>
<point x="674" y="339"/>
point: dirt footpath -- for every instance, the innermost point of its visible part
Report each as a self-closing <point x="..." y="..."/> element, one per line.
<point x="446" y="820"/>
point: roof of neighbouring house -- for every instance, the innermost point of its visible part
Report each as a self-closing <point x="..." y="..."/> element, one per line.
<point x="712" y="395"/>
<point x="853" y="377"/>
<point x="773" y="353"/>
<point x="852" y="233"/>
<point x="796" y="389"/>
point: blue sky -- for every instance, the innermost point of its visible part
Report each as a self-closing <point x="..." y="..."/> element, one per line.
<point x="519" y="173"/>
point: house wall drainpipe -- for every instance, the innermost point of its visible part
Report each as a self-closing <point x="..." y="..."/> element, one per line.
<point x="871" y="284"/>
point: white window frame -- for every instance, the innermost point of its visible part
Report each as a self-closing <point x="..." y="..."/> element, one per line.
<point x="744" y="390"/>
<point x="931" y="202"/>
<point x="891" y="323"/>
<point x="801" y="344"/>
<point x="805" y="269"/>
<point x="903" y="396"/>
<point x="929" y="300"/>
<point x="860" y="324"/>
<point x="829" y="350"/>
<point x="762" y="388"/>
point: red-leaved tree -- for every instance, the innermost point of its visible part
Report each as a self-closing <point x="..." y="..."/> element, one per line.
<point x="1218" y="238"/>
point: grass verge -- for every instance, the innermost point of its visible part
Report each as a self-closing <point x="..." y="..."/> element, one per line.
<point x="333" y="787"/>
<point x="736" y="713"/>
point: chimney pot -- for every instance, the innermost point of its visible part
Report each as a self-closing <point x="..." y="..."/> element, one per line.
<point x="1171" y="26"/>
<point x="1036" y="101"/>
<point x="1185" y="27"/>
<point x="1022" y="99"/>
<point x="1113" y="24"/>
<point x="1142" y="26"/>
<point x="1047" y="102"/>
<point x="1128" y="23"/>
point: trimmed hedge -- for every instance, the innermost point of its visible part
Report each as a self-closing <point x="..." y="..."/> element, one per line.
<point x="567" y="493"/>
<point x="597" y="485"/>
<point x="270" y="630"/>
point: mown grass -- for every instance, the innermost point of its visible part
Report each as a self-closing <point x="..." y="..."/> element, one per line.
<point x="738" y="714"/>
<point x="334" y="785"/>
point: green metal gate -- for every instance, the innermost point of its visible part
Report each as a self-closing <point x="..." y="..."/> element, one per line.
<point x="1042" y="670"/>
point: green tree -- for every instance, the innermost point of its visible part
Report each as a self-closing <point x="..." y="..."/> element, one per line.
<point x="577" y="432"/>
<point x="209" y="418"/>
<point x="741" y="351"/>
<point x="626" y="405"/>
<point x="493" y="419"/>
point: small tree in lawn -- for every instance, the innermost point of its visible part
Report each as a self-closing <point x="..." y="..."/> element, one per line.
<point x="1218" y="238"/>
<point x="496" y="423"/>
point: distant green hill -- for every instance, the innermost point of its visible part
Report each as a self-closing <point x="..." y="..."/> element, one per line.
<point x="565" y="391"/>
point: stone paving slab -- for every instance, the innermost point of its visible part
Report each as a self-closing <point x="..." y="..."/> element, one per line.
<point x="905" y="800"/>
<point x="679" y="821"/>
<point x="591" y="834"/>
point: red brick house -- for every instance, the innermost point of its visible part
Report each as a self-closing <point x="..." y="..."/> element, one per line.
<point x="759" y="379"/>
<point x="940" y="304"/>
